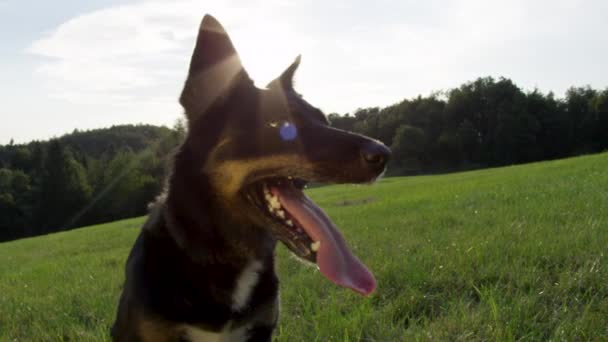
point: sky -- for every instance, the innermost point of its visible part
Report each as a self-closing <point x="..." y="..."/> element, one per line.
<point x="72" y="64"/>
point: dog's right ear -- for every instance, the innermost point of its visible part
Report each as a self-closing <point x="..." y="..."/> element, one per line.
<point x="215" y="69"/>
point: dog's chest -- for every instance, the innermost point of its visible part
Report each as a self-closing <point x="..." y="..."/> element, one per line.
<point x="243" y="291"/>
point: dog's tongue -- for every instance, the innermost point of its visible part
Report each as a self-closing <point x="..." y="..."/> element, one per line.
<point x="334" y="258"/>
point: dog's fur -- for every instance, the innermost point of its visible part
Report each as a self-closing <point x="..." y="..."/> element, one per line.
<point x="202" y="268"/>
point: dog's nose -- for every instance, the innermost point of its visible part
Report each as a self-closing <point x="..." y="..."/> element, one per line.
<point x="375" y="154"/>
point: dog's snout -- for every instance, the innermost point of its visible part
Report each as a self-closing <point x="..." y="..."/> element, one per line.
<point x="375" y="154"/>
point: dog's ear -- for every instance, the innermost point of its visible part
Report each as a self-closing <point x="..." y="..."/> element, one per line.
<point x="286" y="78"/>
<point x="213" y="46"/>
<point x="215" y="69"/>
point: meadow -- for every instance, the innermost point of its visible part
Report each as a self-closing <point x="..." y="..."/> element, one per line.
<point x="513" y="253"/>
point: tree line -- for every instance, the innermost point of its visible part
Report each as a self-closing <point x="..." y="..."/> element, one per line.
<point x="485" y="123"/>
<point x="103" y="175"/>
<point x="82" y="178"/>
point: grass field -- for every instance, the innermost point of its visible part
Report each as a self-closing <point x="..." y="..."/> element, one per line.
<point x="516" y="253"/>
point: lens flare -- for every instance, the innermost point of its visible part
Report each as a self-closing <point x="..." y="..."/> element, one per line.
<point x="288" y="131"/>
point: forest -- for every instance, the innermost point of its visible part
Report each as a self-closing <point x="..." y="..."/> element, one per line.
<point x="101" y="175"/>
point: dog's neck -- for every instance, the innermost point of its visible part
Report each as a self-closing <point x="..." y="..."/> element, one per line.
<point x="189" y="239"/>
<point x="202" y="228"/>
<point x="212" y="280"/>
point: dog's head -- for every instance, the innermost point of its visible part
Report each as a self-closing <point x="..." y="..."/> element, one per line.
<point x="260" y="147"/>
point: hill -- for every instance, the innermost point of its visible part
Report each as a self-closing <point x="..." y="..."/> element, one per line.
<point x="499" y="254"/>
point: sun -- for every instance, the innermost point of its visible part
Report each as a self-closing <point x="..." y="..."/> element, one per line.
<point x="264" y="53"/>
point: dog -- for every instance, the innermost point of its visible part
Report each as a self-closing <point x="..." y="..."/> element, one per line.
<point x="202" y="267"/>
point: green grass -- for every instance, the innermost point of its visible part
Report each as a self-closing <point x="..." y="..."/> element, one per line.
<point x="516" y="253"/>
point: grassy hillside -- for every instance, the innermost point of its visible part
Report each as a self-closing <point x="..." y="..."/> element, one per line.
<point x="500" y="254"/>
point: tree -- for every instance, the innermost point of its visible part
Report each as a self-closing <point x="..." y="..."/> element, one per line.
<point x="125" y="188"/>
<point x="449" y="150"/>
<point x="345" y="122"/>
<point x="14" y="192"/>
<point x="583" y="120"/>
<point x="552" y="137"/>
<point x="367" y="121"/>
<point x="599" y="106"/>
<point x="409" y="147"/>
<point x="64" y="189"/>
<point x="470" y="140"/>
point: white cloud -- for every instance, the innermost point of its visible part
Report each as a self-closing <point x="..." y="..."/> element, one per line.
<point x="355" y="53"/>
<point x="115" y="51"/>
<point x="140" y="51"/>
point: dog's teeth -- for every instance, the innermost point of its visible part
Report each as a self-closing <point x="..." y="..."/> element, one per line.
<point x="274" y="202"/>
<point x="289" y="223"/>
<point x="281" y="214"/>
<point x="315" y="246"/>
<point x="270" y="208"/>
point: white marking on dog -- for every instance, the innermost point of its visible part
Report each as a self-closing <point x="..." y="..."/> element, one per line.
<point x="244" y="285"/>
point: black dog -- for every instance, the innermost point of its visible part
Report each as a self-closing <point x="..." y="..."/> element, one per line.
<point x="202" y="268"/>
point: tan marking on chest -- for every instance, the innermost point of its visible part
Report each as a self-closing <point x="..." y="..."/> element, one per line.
<point x="194" y="334"/>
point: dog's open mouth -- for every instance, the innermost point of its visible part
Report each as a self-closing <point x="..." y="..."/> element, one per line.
<point x="305" y="228"/>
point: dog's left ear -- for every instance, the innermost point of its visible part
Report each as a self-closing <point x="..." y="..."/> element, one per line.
<point x="286" y="78"/>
